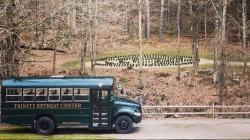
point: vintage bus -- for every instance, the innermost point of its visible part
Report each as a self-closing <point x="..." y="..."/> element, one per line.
<point x="49" y="102"/>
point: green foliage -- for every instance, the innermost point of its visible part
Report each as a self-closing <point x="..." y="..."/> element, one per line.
<point x="206" y="54"/>
<point x="148" y="60"/>
<point x="206" y="67"/>
<point x="233" y="57"/>
<point x="71" y="64"/>
<point x="238" y="57"/>
<point x="124" y="80"/>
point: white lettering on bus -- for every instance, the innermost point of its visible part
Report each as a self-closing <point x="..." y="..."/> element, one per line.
<point x="48" y="106"/>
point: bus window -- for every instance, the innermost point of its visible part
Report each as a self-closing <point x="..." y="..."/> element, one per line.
<point x="105" y="94"/>
<point x="54" y="94"/>
<point x="67" y="94"/>
<point x="81" y="94"/>
<point x="13" y="95"/>
<point x="28" y="95"/>
<point x="41" y="95"/>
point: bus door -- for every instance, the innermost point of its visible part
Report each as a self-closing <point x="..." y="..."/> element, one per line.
<point x="101" y="110"/>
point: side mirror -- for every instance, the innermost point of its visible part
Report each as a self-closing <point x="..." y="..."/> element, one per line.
<point x="122" y="91"/>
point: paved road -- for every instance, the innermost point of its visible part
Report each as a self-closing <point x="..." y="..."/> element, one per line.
<point x="188" y="129"/>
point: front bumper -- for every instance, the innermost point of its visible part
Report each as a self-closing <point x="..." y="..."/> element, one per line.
<point x="137" y="119"/>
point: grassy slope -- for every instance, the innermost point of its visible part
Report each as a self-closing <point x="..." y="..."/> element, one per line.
<point x="13" y="132"/>
<point x="76" y="63"/>
<point x="205" y="54"/>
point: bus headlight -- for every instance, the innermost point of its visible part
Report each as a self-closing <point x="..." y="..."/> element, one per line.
<point x="137" y="114"/>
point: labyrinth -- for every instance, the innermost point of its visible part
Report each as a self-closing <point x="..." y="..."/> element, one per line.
<point x="149" y="60"/>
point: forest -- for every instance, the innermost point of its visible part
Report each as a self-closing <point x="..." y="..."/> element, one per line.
<point x="163" y="52"/>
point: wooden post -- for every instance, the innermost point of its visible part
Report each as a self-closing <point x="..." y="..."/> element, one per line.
<point x="161" y="112"/>
<point x="213" y="111"/>
<point x="54" y="59"/>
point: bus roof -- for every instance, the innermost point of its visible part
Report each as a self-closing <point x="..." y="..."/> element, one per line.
<point x="58" y="82"/>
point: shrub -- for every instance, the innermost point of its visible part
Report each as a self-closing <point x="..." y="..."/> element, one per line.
<point x="148" y="60"/>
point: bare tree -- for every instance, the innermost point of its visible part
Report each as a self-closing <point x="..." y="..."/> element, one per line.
<point x="179" y="37"/>
<point x="244" y="33"/>
<point x="140" y="49"/>
<point x="74" y="17"/>
<point x="83" y="42"/>
<point x="221" y="62"/>
<point x="94" y="49"/>
<point x="43" y="23"/>
<point x="161" y="21"/>
<point x="216" y="42"/>
<point x="92" y="35"/>
<point x="205" y="21"/>
<point x="127" y="16"/>
<point x="10" y="50"/>
<point x="194" y="36"/>
<point x="148" y="20"/>
<point x="169" y="16"/>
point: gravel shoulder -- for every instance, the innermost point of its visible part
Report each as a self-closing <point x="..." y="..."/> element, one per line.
<point x="189" y="129"/>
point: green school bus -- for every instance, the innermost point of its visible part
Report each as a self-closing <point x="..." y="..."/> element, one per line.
<point x="49" y="102"/>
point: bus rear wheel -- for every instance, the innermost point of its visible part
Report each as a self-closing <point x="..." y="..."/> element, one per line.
<point x="44" y="126"/>
<point x="123" y="124"/>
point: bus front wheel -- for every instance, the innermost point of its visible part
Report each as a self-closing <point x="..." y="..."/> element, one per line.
<point x="123" y="124"/>
<point x="45" y="126"/>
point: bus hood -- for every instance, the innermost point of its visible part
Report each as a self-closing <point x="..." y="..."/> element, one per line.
<point x="126" y="102"/>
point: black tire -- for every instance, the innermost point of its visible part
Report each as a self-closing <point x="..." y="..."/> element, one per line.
<point x="123" y="124"/>
<point x="45" y="126"/>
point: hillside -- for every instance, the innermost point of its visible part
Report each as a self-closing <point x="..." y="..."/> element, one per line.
<point x="38" y="37"/>
<point x="161" y="85"/>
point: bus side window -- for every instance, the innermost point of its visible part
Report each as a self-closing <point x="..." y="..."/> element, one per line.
<point x="13" y="95"/>
<point x="105" y="95"/>
<point x="67" y="94"/>
<point x="81" y="95"/>
<point x="28" y="95"/>
<point x="54" y="94"/>
<point x="41" y="95"/>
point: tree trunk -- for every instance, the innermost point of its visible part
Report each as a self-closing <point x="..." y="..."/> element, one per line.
<point x="127" y="18"/>
<point x="222" y="56"/>
<point x="95" y="38"/>
<point x="43" y="24"/>
<point x="73" y="18"/>
<point x="178" y="45"/>
<point x="140" y="48"/>
<point x="83" y="52"/>
<point x="54" y="59"/>
<point x="92" y="40"/>
<point x="148" y="20"/>
<point x="83" y="70"/>
<point x="90" y="34"/>
<point x="161" y="20"/>
<point x="194" y="36"/>
<point x="37" y="16"/>
<point x="205" y="22"/>
<point x="216" y="42"/>
<point x="169" y="16"/>
<point x="244" y="11"/>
